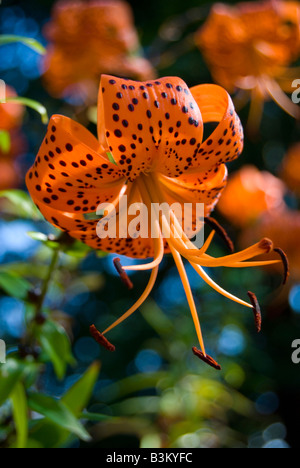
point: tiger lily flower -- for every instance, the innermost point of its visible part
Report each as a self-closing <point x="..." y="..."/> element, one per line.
<point x="249" y="47"/>
<point x="154" y="132"/>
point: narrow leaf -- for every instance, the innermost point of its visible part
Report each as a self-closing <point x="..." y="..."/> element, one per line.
<point x="4" y="141"/>
<point x="22" y="205"/>
<point x="57" y="412"/>
<point x="19" y="408"/>
<point x="78" y="396"/>
<point x="28" y="41"/>
<point x="55" y="343"/>
<point x="35" y="105"/>
<point x="14" y="285"/>
<point x="10" y="373"/>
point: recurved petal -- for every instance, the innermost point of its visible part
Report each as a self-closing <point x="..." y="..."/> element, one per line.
<point x="71" y="172"/>
<point x="153" y="125"/>
<point x="226" y="142"/>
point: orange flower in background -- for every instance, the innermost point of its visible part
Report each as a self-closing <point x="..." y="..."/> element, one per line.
<point x="249" y="47"/>
<point x="249" y="194"/>
<point x="290" y="171"/>
<point x="88" y="38"/>
<point x="150" y="148"/>
<point x="9" y="174"/>
<point x="284" y="229"/>
<point x="11" y="117"/>
<point x="11" y="114"/>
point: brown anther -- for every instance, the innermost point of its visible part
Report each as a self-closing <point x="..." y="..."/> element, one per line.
<point x="266" y="244"/>
<point x="123" y="275"/>
<point x="207" y="359"/>
<point x="213" y="223"/>
<point x="100" y="339"/>
<point x="285" y="262"/>
<point x="256" y="310"/>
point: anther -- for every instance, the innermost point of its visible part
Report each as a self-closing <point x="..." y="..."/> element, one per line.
<point x="266" y="244"/>
<point x="100" y="339"/>
<point x="123" y="275"/>
<point x="207" y="359"/>
<point x="256" y="310"/>
<point x="285" y="262"/>
<point x="213" y="223"/>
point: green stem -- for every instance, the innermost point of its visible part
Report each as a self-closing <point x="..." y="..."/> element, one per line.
<point x="28" y="41"/>
<point x="47" y="281"/>
<point x="33" y="105"/>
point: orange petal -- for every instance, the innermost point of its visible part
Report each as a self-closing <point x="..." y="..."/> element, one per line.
<point x="192" y="188"/>
<point x="149" y="125"/>
<point x="70" y="172"/>
<point x="226" y="141"/>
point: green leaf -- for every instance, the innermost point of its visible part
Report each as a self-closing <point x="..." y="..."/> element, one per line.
<point x="78" y="396"/>
<point x="57" y="412"/>
<point x="77" y="249"/>
<point x="56" y="344"/>
<point x="14" y="285"/>
<point x="35" y="105"/>
<point x="22" y="204"/>
<point x="28" y="41"/>
<point x="39" y="236"/>
<point x="20" y="410"/>
<point x="4" y="141"/>
<point x="76" y="399"/>
<point x="10" y="374"/>
<point x="44" y="239"/>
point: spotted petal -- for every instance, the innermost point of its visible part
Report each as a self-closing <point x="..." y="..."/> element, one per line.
<point x="71" y="172"/>
<point x="154" y="125"/>
<point x="226" y="142"/>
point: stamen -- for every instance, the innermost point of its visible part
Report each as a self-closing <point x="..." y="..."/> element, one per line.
<point x="285" y="262"/>
<point x="282" y="99"/>
<point x="99" y="338"/>
<point x="189" y="295"/>
<point x="262" y="247"/>
<point x="258" y="263"/>
<point x="208" y="359"/>
<point x="218" y="288"/>
<point x="256" y="310"/>
<point x="139" y="302"/>
<point x="213" y="223"/>
<point x="266" y="244"/>
<point x="123" y="275"/>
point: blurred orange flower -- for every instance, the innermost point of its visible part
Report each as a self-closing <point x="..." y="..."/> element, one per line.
<point x="9" y="174"/>
<point x="11" y="114"/>
<point x="88" y="38"/>
<point x="9" y="167"/>
<point x="291" y="168"/>
<point x="284" y="229"/>
<point x="249" y="194"/>
<point x="249" y="46"/>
